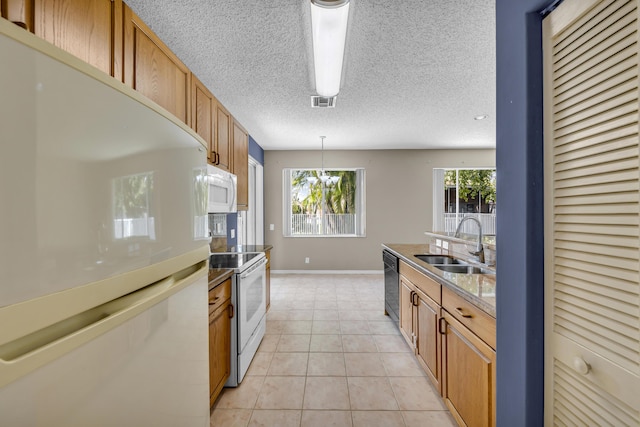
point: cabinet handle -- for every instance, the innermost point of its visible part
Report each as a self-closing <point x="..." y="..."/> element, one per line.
<point x="463" y="314"/>
<point x="213" y="301"/>
<point x="442" y="326"/>
<point x="415" y="301"/>
<point x="217" y="158"/>
<point x="231" y="311"/>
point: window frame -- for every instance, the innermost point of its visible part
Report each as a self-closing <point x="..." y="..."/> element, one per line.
<point x="360" y="202"/>
<point x="438" y="218"/>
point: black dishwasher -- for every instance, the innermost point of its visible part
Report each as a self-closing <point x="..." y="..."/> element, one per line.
<point x="391" y="285"/>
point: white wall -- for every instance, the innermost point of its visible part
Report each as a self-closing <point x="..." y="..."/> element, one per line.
<point x="399" y="193"/>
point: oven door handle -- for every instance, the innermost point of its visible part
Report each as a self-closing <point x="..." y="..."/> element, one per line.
<point x="253" y="268"/>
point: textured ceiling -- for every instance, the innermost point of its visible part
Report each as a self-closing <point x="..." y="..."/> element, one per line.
<point x="416" y="71"/>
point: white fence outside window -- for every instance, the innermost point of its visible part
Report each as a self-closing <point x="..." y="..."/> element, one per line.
<point x="325" y="225"/>
<point x="488" y="221"/>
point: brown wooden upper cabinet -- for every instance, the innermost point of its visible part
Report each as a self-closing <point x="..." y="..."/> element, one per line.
<point x="90" y="30"/>
<point x="241" y="164"/>
<point x="20" y="12"/>
<point x="153" y="70"/>
<point x="222" y="146"/>
<point x="202" y="115"/>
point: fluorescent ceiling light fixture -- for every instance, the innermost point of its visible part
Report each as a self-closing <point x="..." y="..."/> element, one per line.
<point x="329" y="32"/>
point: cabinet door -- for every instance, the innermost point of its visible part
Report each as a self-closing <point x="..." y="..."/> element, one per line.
<point x="202" y="108"/>
<point x="20" y="12"/>
<point x="241" y="164"/>
<point x="428" y="346"/>
<point x="268" y="279"/>
<point x="153" y="70"/>
<point x="90" y="30"/>
<point x="222" y="137"/>
<point x="406" y="310"/>
<point x="219" y="349"/>
<point x="468" y="380"/>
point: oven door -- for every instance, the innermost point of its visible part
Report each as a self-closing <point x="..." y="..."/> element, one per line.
<point x="251" y="301"/>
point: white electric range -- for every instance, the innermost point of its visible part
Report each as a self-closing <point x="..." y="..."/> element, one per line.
<point x="248" y="296"/>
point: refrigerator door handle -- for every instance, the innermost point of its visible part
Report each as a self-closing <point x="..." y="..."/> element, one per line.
<point x="25" y="354"/>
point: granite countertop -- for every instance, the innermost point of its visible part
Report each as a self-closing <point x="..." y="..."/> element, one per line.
<point x="247" y="248"/>
<point x="478" y="289"/>
<point x="218" y="275"/>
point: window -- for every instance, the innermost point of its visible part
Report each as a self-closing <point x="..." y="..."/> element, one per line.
<point x="464" y="192"/>
<point x="324" y="203"/>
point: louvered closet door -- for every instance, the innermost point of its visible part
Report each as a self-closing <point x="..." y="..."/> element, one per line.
<point x="592" y="192"/>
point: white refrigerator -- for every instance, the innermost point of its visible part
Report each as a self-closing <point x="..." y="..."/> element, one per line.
<point x="103" y="249"/>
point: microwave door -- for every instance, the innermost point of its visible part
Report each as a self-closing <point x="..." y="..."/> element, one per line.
<point x="222" y="194"/>
<point x="233" y="188"/>
<point x="222" y="190"/>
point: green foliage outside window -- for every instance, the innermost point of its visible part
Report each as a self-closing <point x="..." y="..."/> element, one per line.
<point x="310" y="197"/>
<point x="473" y="182"/>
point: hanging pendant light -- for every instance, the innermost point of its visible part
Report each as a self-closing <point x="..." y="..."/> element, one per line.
<point x="324" y="177"/>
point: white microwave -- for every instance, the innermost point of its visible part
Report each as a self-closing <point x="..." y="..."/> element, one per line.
<point x="223" y="197"/>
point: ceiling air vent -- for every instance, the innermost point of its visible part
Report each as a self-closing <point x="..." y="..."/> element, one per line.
<point x="323" y="101"/>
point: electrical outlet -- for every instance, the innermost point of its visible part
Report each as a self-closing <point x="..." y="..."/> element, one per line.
<point x="233" y="233"/>
<point x="272" y="227"/>
<point x="306" y="260"/>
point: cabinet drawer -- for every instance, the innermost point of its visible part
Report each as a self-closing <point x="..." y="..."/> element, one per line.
<point x="422" y="282"/>
<point x="479" y="322"/>
<point x="219" y="294"/>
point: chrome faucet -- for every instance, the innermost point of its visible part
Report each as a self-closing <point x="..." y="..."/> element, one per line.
<point x="479" y="252"/>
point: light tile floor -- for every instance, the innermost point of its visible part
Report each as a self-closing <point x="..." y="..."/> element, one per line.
<point x="330" y="357"/>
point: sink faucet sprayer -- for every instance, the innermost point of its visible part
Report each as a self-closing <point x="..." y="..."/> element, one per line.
<point x="479" y="252"/>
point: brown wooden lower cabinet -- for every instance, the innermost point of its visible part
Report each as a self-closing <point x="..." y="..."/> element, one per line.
<point x="419" y="314"/>
<point x="268" y="279"/>
<point x="468" y="375"/>
<point x="456" y="351"/>
<point x="406" y="311"/>
<point x="220" y="314"/>
<point x="428" y="344"/>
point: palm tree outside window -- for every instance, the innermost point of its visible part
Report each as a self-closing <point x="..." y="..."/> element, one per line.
<point x="326" y="202"/>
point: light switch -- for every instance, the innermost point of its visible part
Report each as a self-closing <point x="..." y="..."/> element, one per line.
<point x="272" y="227"/>
<point x="233" y="233"/>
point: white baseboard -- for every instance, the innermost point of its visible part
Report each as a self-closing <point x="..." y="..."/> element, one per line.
<point x="327" y="271"/>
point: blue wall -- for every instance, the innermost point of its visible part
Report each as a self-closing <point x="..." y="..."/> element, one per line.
<point x="256" y="151"/>
<point x="520" y="245"/>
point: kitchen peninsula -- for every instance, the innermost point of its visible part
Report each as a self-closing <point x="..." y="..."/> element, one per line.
<point x="448" y="318"/>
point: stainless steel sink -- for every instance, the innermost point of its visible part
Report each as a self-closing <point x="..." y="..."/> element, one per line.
<point x="438" y="259"/>
<point x="464" y="269"/>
